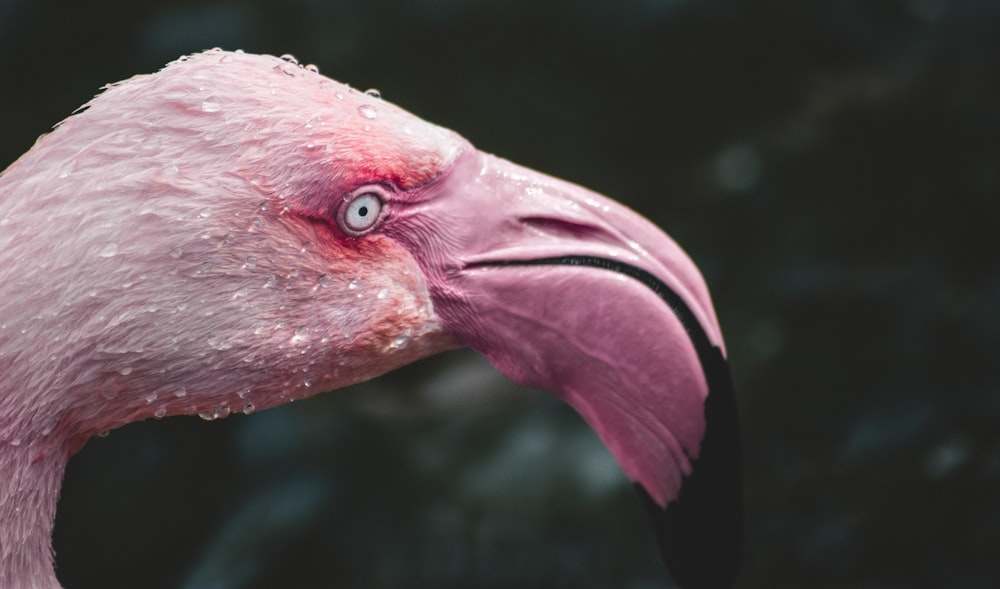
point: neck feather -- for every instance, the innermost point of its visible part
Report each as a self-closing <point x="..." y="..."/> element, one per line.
<point x="33" y="471"/>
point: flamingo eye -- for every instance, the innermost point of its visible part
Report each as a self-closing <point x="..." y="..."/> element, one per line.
<point x="360" y="213"/>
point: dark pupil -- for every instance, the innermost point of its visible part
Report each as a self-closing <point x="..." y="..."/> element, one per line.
<point x="363" y="211"/>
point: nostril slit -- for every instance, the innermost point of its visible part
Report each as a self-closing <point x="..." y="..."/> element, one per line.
<point x="561" y="227"/>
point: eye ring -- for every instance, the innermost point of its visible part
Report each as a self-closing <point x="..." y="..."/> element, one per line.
<point x="361" y="211"/>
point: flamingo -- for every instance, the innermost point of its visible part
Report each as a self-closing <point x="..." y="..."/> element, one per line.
<point x="237" y="231"/>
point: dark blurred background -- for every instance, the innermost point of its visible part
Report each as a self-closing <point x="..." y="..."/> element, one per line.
<point x="833" y="166"/>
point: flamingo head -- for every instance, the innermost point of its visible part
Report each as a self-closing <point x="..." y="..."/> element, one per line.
<point x="237" y="231"/>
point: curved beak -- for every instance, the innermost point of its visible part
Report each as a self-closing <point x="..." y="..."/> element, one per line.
<point x="568" y="291"/>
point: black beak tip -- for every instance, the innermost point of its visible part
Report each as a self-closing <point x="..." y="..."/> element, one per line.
<point x="701" y="532"/>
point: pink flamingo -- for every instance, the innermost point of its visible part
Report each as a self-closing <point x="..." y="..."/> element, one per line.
<point x="238" y="231"/>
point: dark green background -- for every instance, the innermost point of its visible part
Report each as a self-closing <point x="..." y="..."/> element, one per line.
<point x="833" y="166"/>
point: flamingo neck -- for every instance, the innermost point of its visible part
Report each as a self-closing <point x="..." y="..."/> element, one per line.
<point x="31" y="474"/>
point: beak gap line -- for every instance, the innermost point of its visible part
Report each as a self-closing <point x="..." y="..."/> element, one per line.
<point x="696" y="333"/>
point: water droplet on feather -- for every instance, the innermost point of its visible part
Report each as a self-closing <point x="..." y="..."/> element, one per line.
<point x="301" y="336"/>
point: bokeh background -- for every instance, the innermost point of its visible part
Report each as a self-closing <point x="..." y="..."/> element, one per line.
<point x="833" y="166"/>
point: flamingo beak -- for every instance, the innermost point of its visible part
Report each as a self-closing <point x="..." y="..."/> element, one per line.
<point x="565" y="290"/>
